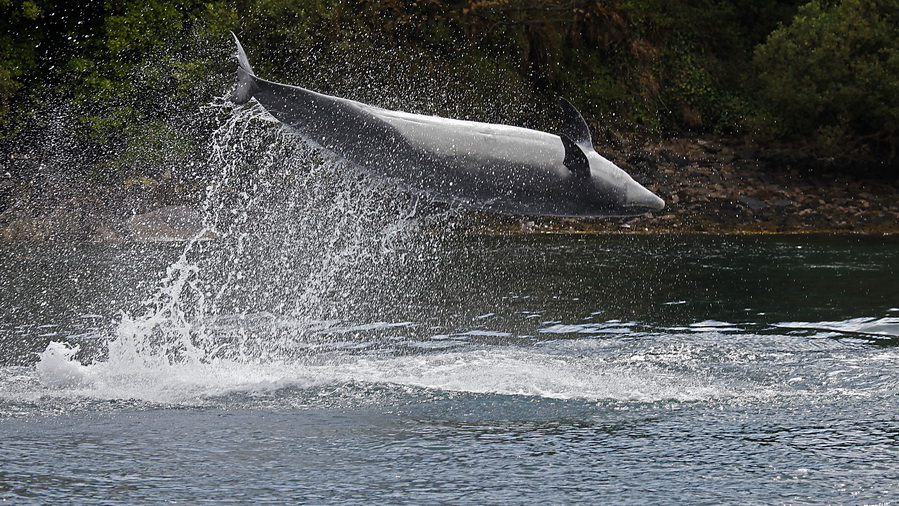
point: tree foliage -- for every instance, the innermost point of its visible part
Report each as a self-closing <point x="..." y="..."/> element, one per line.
<point x="832" y="75"/>
<point x="825" y="72"/>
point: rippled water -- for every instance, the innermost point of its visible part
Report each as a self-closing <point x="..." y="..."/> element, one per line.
<point x="340" y="342"/>
<point x="626" y="369"/>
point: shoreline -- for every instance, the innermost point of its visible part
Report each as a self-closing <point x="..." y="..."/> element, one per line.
<point x="710" y="186"/>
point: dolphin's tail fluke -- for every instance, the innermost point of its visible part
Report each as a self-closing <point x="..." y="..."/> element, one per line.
<point x="246" y="79"/>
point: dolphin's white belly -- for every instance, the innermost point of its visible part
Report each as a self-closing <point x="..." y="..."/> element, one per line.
<point x="474" y="145"/>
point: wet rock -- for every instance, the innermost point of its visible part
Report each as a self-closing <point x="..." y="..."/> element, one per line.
<point x="709" y="185"/>
<point x="727" y="156"/>
<point x="64" y="222"/>
<point x="710" y="146"/>
<point x="670" y="156"/>
<point x="751" y="203"/>
<point x="104" y="233"/>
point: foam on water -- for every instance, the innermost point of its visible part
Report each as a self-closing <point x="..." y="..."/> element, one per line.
<point x="657" y="367"/>
<point x="871" y="327"/>
<point x="59" y="368"/>
<point x="497" y="370"/>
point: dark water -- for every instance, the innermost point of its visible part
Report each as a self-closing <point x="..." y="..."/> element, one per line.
<point x="452" y="369"/>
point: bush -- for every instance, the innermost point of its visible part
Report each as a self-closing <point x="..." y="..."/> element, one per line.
<point x="831" y="77"/>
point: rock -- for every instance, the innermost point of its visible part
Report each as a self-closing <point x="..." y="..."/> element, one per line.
<point x="170" y="223"/>
<point x="672" y="157"/>
<point x="710" y="146"/>
<point x="751" y="203"/>
<point x="65" y="222"/>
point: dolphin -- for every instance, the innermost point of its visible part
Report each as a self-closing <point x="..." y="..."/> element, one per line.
<point x="484" y="166"/>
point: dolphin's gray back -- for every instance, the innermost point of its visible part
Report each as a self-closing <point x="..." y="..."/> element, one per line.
<point x="337" y="124"/>
<point x="470" y="158"/>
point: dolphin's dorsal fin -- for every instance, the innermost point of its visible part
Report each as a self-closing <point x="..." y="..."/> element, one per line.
<point x="574" y="125"/>
<point x="575" y="159"/>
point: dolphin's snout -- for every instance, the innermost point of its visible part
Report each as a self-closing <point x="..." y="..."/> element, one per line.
<point x="638" y="197"/>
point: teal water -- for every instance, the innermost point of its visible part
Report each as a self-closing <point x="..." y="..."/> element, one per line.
<point x="463" y="369"/>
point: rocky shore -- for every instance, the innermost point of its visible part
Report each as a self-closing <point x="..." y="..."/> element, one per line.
<point x="709" y="185"/>
<point x="720" y="186"/>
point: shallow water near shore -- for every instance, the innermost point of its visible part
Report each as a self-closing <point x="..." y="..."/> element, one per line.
<point x="343" y="341"/>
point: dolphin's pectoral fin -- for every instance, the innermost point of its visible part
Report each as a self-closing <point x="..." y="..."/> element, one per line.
<point x="575" y="159"/>
<point x="574" y="125"/>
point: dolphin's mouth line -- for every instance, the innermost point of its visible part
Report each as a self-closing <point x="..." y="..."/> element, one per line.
<point x="638" y="205"/>
<point x="643" y="208"/>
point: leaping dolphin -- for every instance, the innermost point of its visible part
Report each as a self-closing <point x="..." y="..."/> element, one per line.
<point x="485" y="166"/>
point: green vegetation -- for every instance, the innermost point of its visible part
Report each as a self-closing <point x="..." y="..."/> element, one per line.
<point x="822" y="76"/>
<point x="833" y="76"/>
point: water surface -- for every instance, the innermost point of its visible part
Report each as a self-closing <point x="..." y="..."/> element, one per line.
<point x="457" y="368"/>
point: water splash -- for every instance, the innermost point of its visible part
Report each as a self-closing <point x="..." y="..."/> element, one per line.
<point x="289" y="235"/>
<point x="59" y="368"/>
